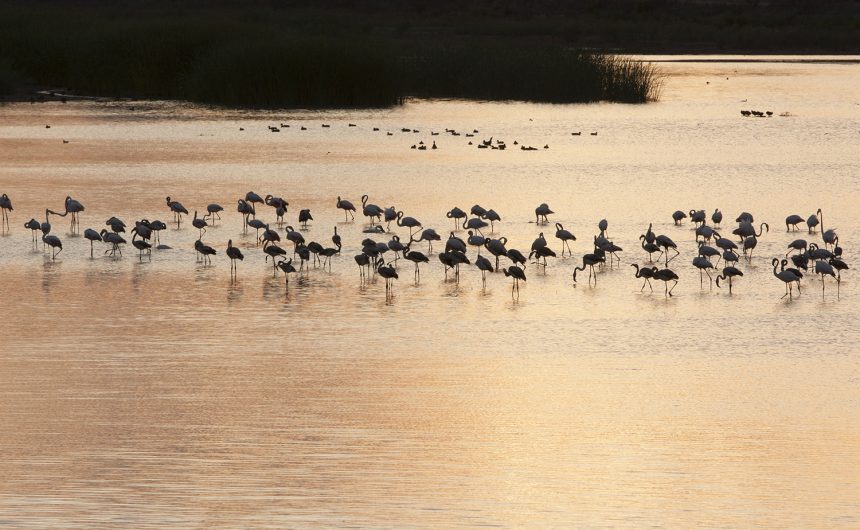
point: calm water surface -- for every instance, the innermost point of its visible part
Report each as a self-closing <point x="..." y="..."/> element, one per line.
<point x="161" y="394"/>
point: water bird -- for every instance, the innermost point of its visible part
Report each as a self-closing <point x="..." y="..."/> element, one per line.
<point x="717" y="217"/>
<point x="497" y="247"/>
<point x="792" y="221"/>
<point x="492" y="217"/>
<point x="566" y="237"/>
<point x="408" y="222"/>
<point x="541" y="212"/>
<point x="517" y="274"/>
<point x="371" y="211"/>
<point x="666" y="243"/>
<point x="666" y="276"/>
<point x="542" y="252"/>
<point x="787" y="277"/>
<point x="34" y="227"/>
<point x="5" y="208"/>
<point x="588" y="260"/>
<point x="247" y="210"/>
<point x="644" y="272"/>
<point x="234" y="254"/>
<point x="347" y="207"/>
<point x="813" y="221"/>
<point x="729" y="272"/>
<point x="200" y="224"/>
<point x="475" y="224"/>
<point x="114" y="240"/>
<point x="177" y="209"/>
<point x="485" y="266"/>
<point x="294" y="236"/>
<point x="140" y="244"/>
<point x="92" y="236"/>
<point x="253" y="198"/>
<point x="304" y="217"/>
<point x="213" y="211"/>
<point x="678" y="216"/>
<point x="286" y="265"/>
<point x="387" y="272"/>
<point x="53" y="242"/>
<point x="71" y="207"/>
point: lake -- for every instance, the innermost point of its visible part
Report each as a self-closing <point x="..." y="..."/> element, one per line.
<point x="162" y="393"/>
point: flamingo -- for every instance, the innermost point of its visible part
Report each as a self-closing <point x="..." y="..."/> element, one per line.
<point x="347" y="207"/>
<point x="485" y="266"/>
<point x="327" y="253"/>
<point x="650" y="248"/>
<point x="787" y="277"/>
<point x="644" y="272"/>
<point x="177" y="209"/>
<point x="362" y="260"/>
<point x="415" y="257"/>
<point x="272" y="251"/>
<point x="200" y="224"/>
<point x="729" y="272"/>
<point x="294" y="236"/>
<point x="453" y="243"/>
<point x="792" y="221"/>
<point x="287" y="267"/>
<point x="53" y="242"/>
<point x="456" y="214"/>
<point x="140" y="244"/>
<point x="497" y="248"/>
<point x="304" y="217"/>
<point x="212" y="211"/>
<point x="114" y="239"/>
<point x="478" y="211"/>
<point x="588" y="260"/>
<point x="703" y="264"/>
<point x="371" y="211"/>
<point x="566" y="237"/>
<point x="492" y="216"/>
<point x="475" y="224"/>
<point x="517" y="274"/>
<point x="71" y="207"/>
<point x="253" y="198"/>
<point x="813" y="221"/>
<point x="666" y="276"/>
<point x="667" y="243"/>
<point x="205" y="251"/>
<point x="408" y="222"/>
<point x="389" y="274"/>
<point x="388" y="215"/>
<point x="542" y="252"/>
<point x="5" y="208"/>
<point x="234" y="254"/>
<point x="678" y="216"/>
<point x="428" y="235"/>
<point x="247" y="210"/>
<point x="824" y="268"/>
<point x="697" y="216"/>
<point x="34" y="227"/>
<point x="717" y="217"/>
<point x="541" y="212"/>
<point x="92" y="236"/>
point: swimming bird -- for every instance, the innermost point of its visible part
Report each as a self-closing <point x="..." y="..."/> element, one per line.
<point x="541" y="212"/>
<point x="177" y="209"/>
<point x="517" y="274"/>
<point x="234" y="254"/>
<point x="666" y="276"/>
<point x="347" y="207"/>
<point x="645" y="272"/>
<point x="729" y="272"/>
<point x="566" y="237"/>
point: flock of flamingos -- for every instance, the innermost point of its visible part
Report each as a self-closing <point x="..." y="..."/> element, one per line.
<point x="822" y="258"/>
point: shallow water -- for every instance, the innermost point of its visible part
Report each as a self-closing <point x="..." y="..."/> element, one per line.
<point x="163" y="394"/>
